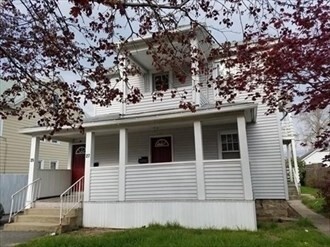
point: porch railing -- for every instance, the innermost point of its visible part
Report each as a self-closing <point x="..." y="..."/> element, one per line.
<point x="71" y="198"/>
<point x="287" y="127"/>
<point x="18" y="199"/>
<point x="296" y="180"/>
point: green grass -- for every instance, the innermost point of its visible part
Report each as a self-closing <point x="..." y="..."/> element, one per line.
<point x="310" y="190"/>
<point x="317" y="203"/>
<point x="298" y="234"/>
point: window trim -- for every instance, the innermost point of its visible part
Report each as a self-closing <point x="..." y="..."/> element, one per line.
<point x="226" y="132"/>
<point x="56" y="164"/>
<point x="51" y="141"/>
<point x="151" y="80"/>
<point x="41" y="164"/>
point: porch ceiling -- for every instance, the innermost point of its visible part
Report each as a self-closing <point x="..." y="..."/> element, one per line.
<point x="110" y="124"/>
<point x="145" y="61"/>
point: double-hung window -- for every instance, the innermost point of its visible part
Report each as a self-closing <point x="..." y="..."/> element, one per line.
<point x="160" y="81"/>
<point x="229" y="145"/>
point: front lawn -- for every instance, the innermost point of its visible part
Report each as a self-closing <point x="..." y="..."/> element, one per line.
<point x="298" y="234"/>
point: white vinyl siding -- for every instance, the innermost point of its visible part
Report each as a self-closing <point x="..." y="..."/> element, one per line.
<point x="107" y="150"/>
<point x="115" y="106"/>
<point x="223" y="179"/>
<point x="15" y="148"/>
<point x="268" y="180"/>
<point x="228" y="214"/>
<point x="161" y="181"/>
<point x="182" y="139"/>
<point x="1" y="126"/>
<point x="210" y="139"/>
<point x="147" y="104"/>
<point x="168" y="181"/>
<point x="104" y="183"/>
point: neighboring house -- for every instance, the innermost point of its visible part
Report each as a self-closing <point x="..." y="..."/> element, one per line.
<point x="152" y="162"/>
<point x="316" y="157"/>
<point x="15" y="153"/>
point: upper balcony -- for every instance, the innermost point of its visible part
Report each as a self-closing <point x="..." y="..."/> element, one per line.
<point x="287" y="129"/>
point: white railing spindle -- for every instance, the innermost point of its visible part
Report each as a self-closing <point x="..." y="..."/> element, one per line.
<point x="71" y="198"/>
<point x="18" y="199"/>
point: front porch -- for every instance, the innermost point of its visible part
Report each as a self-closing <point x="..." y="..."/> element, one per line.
<point x="204" y="181"/>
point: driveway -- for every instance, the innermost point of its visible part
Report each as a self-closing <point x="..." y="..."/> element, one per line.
<point x="8" y="239"/>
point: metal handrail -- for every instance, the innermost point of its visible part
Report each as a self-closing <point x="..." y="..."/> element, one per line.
<point x="71" y="198"/>
<point x="20" y="204"/>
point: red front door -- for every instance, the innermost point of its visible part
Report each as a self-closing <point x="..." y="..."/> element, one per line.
<point x="161" y="149"/>
<point x="78" y="162"/>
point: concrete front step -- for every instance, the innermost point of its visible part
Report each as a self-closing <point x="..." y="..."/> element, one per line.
<point x="51" y="204"/>
<point x="47" y="211"/>
<point x="32" y="226"/>
<point x="43" y="218"/>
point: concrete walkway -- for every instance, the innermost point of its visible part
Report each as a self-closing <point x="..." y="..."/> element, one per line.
<point x="319" y="221"/>
<point x="8" y="239"/>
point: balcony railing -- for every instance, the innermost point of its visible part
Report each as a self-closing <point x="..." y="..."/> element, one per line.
<point x="166" y="102"/>
<point x="287" y="128"/>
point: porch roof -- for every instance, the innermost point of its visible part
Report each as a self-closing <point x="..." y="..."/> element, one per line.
<point x="116" y="121"/>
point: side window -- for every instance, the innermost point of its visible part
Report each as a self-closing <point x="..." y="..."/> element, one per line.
<point x="53" y="165"/>
<point x="51" y="141"/>
<point x="160" y="82"/>
<point x="229" y="145"/>
<point x="41" y="164"/>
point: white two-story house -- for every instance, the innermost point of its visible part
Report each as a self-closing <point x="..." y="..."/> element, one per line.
<point x="153" y="162"/>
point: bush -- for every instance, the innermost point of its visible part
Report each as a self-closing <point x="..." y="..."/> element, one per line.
<point x="302" y="172"/>
<point x="324" y="186"/>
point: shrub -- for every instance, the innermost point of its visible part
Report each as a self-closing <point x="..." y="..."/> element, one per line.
<point x="324" y="186"/>
<point x="302" y="171"/>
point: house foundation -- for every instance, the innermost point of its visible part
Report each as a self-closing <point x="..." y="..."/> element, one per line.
<point x="274" y="209"/>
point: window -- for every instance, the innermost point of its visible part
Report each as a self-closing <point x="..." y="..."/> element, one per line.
<point x="41" y="164"/>
<point x="51" y="141"/>
<point x="53" y="165"/>
<point x="229" y="146"/>
<point x="160" y="82"/>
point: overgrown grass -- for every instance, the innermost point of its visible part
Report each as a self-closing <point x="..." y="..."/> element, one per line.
<point x="317" y="204"/>
<point x="309" y="190"/>
<point x="298" y="234"/>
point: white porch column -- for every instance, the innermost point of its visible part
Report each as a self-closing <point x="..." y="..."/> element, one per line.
<point x="199" y="160"/>
<point x="245" y="161"/>
<point x="295" y="162"/>
<point x="89" y="161"/>
<point x="289" y="161"/>
<point x="196" y="97"/>
<point x="122" y="162"/>
<point x="69" y="165"/>
<point x="33" y="168"/>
